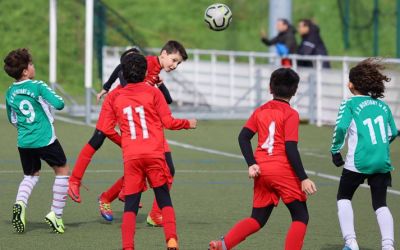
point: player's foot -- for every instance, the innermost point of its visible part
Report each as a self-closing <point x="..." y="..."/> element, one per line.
<point x="18" y="220"/>
<point x="73" y="191"/>
<point x="105" y="209"/>
<point x="56" y="224"/>
<point x="351" y="245"/>
<point x="154" y="219"/>
<point x="215" y="245"/>
<point x="172" y="244"/>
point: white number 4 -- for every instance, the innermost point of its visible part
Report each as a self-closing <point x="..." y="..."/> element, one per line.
<point x="132" y="129"/>
<point x="378" y="120"/>
<point x="269" y="142"/>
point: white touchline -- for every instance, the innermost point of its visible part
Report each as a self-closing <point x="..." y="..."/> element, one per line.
<point x="217" y="152"/>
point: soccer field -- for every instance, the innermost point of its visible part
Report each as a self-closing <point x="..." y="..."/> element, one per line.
<point x="211" y="192"/>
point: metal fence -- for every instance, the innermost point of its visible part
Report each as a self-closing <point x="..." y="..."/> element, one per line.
<point x="214" y="84"/>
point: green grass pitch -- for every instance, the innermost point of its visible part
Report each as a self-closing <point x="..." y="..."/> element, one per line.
<point x="210" y="193"/>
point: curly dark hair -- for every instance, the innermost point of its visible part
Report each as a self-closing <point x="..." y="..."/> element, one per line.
<point x="16" y="61"/>
<point x="368" y="79"/>
<point x="134" y="67"/>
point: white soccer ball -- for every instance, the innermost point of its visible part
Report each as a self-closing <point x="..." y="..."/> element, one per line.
<point x="218" y="16"/>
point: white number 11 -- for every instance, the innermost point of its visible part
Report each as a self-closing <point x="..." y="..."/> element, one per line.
<point x="140" y="110"/>
<point x="378" y="120"/>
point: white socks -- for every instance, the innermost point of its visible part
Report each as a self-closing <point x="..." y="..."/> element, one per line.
<point x="25" y="188"/>
<point x="346" y="219"/>
<point x="385" y="221"/>
<point x="60" y="189"/>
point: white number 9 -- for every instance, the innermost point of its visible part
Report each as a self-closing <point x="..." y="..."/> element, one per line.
<point x="29" y="111"/>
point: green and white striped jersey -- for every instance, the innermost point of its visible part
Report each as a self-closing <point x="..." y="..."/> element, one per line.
<point x="370" y="128"/>
<point x="28" y="108"/>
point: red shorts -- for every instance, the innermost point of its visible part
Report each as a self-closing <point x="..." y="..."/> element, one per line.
<point x="268" y="189"/>
<point x="136" y="171"/>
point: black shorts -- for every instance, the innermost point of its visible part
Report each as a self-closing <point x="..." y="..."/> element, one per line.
<point x="349" y="182"/>
<point x="53" y="154"/>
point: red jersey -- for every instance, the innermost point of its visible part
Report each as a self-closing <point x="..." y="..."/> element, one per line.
<point x="275" y="122"/>
<point x="106" y="122"/>
<point x="153" y="70"/>
<point x="142" y="112"/>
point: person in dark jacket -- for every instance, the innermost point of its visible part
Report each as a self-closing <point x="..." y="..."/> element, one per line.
<point x="286" y="37"/>
<point x="311" y="43"/>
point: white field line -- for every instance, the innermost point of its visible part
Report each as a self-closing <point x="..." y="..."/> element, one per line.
<point x="217" y="152"/>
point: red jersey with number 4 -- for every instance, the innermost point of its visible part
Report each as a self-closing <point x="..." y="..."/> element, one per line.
<point x="142" y="112"/>
<point x="275" y="122"/>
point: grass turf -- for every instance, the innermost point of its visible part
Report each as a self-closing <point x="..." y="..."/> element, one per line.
<point x="210" y="193"/>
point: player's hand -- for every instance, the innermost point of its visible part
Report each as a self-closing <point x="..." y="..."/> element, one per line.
<point x="337" y="159"/>
<point x="308" y="187"/>
<point x="254" y="171"/>
<point x="263" y="33"/>
<point x="100" y="95"/>
<point x="192" y="123"/>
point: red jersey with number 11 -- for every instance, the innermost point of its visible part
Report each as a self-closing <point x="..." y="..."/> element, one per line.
<point x="275" y="122"/>
<point x="142" y="113"/>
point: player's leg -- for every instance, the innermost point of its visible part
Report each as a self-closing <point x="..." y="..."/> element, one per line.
<point x="82" y="162"/>
<point x="154" y="217"/>
<point x="168" y="214"/>
<point x="349" y="182"/>
<point x="128" y="225"/>
<point x="297" y="231"/>
<point x="55" y="157"/>
<point x="264" y="200"/>
<point x="31" y="166"/>
<point x="379" y="184"/>
<point x="107" y="197"/>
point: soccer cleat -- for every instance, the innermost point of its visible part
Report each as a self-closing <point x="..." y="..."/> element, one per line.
<point x="18" y="220"/>
<point x="215" y="245"/>
<point x="351" y="245"/>
<point x="73" y="191"/>
<point x="154" y="219"/>
<point x="56" y="224"/>
<point x="105" y="210"/>
<point x="172" y="244"/>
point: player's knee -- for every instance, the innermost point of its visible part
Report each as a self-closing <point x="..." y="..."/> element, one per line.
<point x="61" y="170"/>
<point x="298" y="211"/>
<point x="341" y="196"/>
<point x="97" y="139"/>
<point x="170" y="163"/>
<point x="162" y="196"/>
<point x="262" y="214"/>
<point x="132" y="203"/>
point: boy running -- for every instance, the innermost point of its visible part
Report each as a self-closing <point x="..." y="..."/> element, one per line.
<point x="142" y="113"/>
<point x="276" y="167"/>
<point x="28" y="105"/>
<point x="368" y="123"/>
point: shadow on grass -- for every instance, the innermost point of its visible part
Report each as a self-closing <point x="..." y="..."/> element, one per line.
<point x="338" y="247"/>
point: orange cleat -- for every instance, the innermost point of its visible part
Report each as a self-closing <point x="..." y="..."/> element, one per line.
<point x="73" y="191"/>
<point x="216" y="245"/>
<point x="154" y="219"/>
<point x="172" y="244"/>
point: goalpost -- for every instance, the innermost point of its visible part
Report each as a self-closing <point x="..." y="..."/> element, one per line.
<point x="89" y="7"/>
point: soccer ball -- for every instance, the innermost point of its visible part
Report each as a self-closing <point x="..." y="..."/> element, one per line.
<point x="218" y="16"/>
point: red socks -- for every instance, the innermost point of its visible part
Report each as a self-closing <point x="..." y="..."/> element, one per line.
<point x="240" y="231"/>
<point x="295" y="236"/>
<point x="169" y="223"/>
<point x="82" y="162"/>
<point x="128" y="228"/>
<point x="112" y="193"/>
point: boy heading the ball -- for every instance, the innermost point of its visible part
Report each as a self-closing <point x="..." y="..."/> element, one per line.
<point x="276" y="166"/>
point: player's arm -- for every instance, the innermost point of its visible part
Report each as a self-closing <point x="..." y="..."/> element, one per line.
<point x="113" y="77"/>
<point x="343" y="121"/>
<point x="393" y="132"/>
<point x="168" y="121"/>
<point x="164" y="90"/>
<point x="109" y="118"/>
<point x="244" y="139"/>
<point x="50" y="96"/>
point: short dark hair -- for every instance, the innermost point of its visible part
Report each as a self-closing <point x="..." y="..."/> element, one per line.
<point x="175" y="47"/>
<point x="368" y="79"/>
<point x="134" y="67"/>
<point x="131" y="50"/>
<point x="284" y="82"/>
<point x="16" y="61"/>
<point x="307" y="22"/>
<point x="284" y="21"/>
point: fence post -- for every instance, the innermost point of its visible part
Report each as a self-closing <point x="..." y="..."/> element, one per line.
<point x="213" y="78"/>
<point x="319" y="90"/>
<point x="231" y="78"/>
<point x="196" y="59"/>
<point x="345" y="73"/>
<point x="252" y="79"/>
<point x="258" y="88"/>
